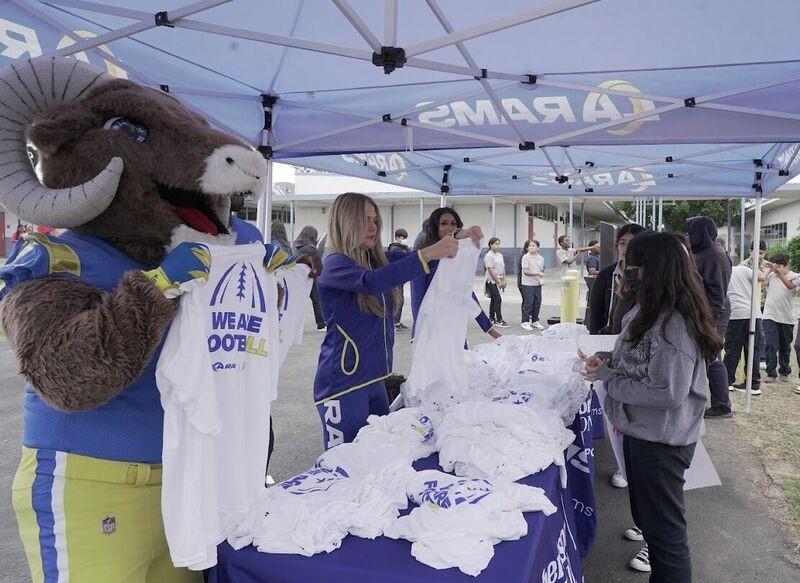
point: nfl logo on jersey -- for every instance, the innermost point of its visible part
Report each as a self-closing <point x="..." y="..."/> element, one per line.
<point x="109" y="524"/>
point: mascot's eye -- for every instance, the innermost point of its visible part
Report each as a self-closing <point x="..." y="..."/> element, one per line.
<point x="135" y="129"/>
<point x="33" y="155"/>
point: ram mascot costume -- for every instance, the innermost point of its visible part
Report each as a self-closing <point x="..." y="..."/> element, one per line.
<point x="138" y="183"/>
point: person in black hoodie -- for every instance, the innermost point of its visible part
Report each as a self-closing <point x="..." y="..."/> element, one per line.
<point x="603" y="293"/>
<point x="715" y="267"/>
<point x="306" y="242"/>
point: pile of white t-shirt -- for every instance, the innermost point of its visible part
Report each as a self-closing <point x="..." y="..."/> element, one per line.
<point x="459" y="520"/>
<point x="355" y="488"/>
<point x="501" y="440"/>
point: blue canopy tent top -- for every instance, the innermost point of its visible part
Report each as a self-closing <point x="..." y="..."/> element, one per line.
<point x="537" y="97"/>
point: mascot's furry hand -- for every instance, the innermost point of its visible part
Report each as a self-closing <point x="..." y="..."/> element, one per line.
<point x="314" y="263"/>
<point x="183" y="269"/>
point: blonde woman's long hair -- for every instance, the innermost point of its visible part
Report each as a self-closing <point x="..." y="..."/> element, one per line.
<point x="347" y="226"/>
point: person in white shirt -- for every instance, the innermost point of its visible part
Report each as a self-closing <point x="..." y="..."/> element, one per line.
<point x="779" y="317"/>
<point x="532" y="272"/>
<point x="740" y="294"/>
<point x="495" y="281"/>
<point x="567" y="255"/>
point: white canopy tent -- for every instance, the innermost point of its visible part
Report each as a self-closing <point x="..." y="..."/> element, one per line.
<point x="607" y="98"/>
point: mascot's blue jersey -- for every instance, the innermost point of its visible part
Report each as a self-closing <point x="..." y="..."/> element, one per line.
<point x="127" y="428"/>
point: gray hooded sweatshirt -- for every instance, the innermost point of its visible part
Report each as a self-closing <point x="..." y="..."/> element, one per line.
<point x="657" y="390"/>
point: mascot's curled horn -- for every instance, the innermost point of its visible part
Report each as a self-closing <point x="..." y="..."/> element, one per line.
<point x="133" y="175"/>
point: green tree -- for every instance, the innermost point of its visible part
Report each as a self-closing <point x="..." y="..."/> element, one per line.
<point x="675" y="214"/>
<point x="793" y="247"/>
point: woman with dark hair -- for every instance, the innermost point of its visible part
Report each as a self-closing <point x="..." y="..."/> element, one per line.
<point x="495" y="281"/>
<point x="306" y="243"/>
<point x="277" y="235"/>
<point x="657" y="390"/>
<point x="442" y="223"/>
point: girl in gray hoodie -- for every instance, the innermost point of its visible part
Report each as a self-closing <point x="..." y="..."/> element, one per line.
<point x="657" y="391"/>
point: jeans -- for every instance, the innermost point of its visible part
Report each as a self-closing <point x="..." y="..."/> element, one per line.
<point x="655" y="488"/>
<point x="318" y="315"/>
<point x="398" y="309"/>
<point x="778" y="347"/>
<point x="718" y="380"/>
<point x="494" y="302"/>
<point x="736" y="341"/>
<point x="531" y="302"/>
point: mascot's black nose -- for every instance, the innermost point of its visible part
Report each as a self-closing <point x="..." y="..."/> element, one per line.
<point x="229" y="160"/>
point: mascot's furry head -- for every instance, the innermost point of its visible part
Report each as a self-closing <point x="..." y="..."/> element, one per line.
<point x="110" y="158"/>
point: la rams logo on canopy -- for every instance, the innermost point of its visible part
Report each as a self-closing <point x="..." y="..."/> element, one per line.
<point x="240" y="284"/>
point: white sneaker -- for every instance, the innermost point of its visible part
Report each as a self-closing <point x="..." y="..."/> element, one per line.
<point x="634" y="533"/>
<point x="641" y="562"/>
<point x="762" y="365"/>
<point x="270" y="481"/>
<point x="538" y="325"/>
<point x="526" y="326"/>
<point x="618" y="481"/>
<point x="797" y="391"/>
<point x="731" y="388"/>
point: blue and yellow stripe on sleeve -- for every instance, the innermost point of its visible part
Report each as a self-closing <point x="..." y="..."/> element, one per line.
<point x="276" y="258"/>
<point x="37" y="256"/>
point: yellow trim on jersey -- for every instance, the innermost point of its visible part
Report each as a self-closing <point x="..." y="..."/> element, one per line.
<point x="351" y="389"/>
<point x="63" y="259"/>
<point x="348" y="340"/>
<point x="425" y="265"/>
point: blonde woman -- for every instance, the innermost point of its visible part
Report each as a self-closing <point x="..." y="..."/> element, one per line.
<point x="357" y="290"/>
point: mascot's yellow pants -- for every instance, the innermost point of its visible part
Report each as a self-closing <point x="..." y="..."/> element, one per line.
<point x="87" y="520"/>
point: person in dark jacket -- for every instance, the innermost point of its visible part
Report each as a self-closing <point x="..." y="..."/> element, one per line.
<point x="306" y="243"/>
<point x="397" y="250"/>
<point x="358" y="288"/>
<point x="714" y="267"/>
<point x="603" y="293"/>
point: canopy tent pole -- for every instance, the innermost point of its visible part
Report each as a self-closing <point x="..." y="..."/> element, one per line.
<point x="264" y="212"/>
<point x="754" y="302"/>
<point x="494" y="216"/>
<point x="291" y="218"/>
<point x="421" y="210"/>
<point x="443" y="201"/>
<point x="655" y="214"/>
<point x="660" y="214"/>
<point x="391" y="222"/>
<point x="729" y="240"/>
<point x="583" y="232"/>
<point x="571" y="238"/>
<point x="741" y="232"/>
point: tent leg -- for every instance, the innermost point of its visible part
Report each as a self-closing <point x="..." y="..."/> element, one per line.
<point x="729" y="240"/>
<point x="741" y="233"/>
<point x="660" y="214"/>
<point x="421" y="210"/>
<point x="291" y="218"/>
<point x="443" y="200"/>
<point x="583" y="233"/>
<point x="655" y="214"/>
<point x="494" y="216"/>
<point x="571" y="238"/>
<point x="264" y="212"/>
<point x="754" y="302"/>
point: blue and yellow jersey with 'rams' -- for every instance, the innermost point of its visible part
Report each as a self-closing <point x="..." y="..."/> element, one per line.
<point x="130" y="426"/>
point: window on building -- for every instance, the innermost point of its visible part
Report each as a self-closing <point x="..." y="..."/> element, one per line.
<point x="774" y="234"/>
<point x="543" y="211"/>
<point x="249" y="213"/>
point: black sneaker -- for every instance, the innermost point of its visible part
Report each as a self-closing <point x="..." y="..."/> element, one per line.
<point x="742" y="388"/>
<point x="502" y="324"/>
<point x="717" y="413"/>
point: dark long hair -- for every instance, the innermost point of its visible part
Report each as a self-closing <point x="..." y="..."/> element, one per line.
<point x="670" y="283"/>
<point x="432" y="228"/>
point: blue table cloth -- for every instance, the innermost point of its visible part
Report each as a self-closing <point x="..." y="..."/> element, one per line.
<point x="548" y="553"/>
